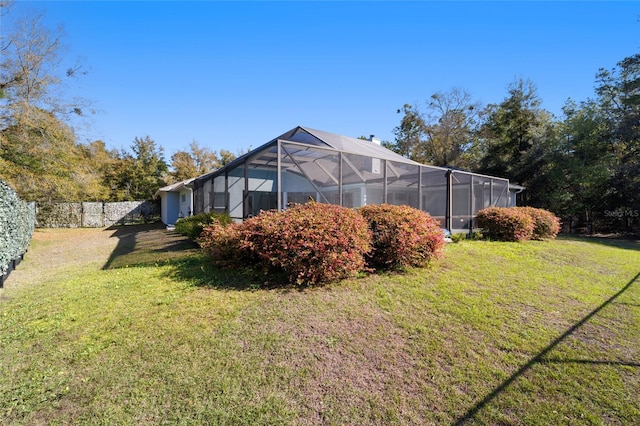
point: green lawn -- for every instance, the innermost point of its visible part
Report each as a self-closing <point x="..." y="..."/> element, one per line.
<point x="493" y="333"/>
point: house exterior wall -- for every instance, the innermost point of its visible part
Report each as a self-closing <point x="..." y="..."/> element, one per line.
<point x="175" y="205"/>
<point x="169" y="207"/>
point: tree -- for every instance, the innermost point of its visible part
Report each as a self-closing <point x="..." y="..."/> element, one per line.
<point x="618" y="93"/>
<point x="573" y="180"/>
<point x="39" y="156"/>
<point x="41" y="159"/>
<point x="97" y="165"/>
<point x="224" y="157"/>
<point x="441" y="135"/>
<point x="183" y="166"/>
<point x="30" y="72"/>
<point x="513" y="134"/>
<point x="137" y="175"/>
<point x="43" y="162"/>
<point x="451" y="119"/>
<point x="197" y="161"/>
<point x="410" y="133"/>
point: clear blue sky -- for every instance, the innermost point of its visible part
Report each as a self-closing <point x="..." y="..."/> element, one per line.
<point x="233" y="75"/>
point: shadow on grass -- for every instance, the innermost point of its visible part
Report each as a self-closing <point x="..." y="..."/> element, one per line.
<point x="588" y="362"/>
<point x="152" y="245"/>
<point x="146" y="244"/>
<point x="541" y="357"/>
<point x="629" y="243"/>
<point x="198" y="270"/>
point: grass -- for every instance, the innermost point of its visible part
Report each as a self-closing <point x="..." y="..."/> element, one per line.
<point x="147" y="244"/>
<point x="494" y="333"/>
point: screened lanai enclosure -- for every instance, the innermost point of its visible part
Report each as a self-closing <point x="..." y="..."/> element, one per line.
<point x="306" y="164"/>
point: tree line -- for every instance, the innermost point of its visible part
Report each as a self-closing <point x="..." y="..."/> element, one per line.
<point x="584" y="166"/>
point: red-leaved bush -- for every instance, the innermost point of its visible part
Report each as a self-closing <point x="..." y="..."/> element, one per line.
<point x="402" y="236"/>
<point x="546" y="225"/>
<point x="310" y="244"/>
<point x="505" y="224"/>
<point x="221" y="241"/>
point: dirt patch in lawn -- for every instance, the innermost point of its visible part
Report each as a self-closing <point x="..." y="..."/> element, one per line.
<point x="347" y="357"/>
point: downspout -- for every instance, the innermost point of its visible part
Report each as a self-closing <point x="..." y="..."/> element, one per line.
<point x="448" y="214"/>
<point x="340" y="179"/>
<point x="190" y="213"/>
<point x="420" y="188"/>
<point x="279" y="175"/>
<point x="472" y="202"/>
<point x="384" y="182"/>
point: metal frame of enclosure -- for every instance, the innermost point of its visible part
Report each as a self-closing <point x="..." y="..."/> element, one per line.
<point x="306" y="164"/>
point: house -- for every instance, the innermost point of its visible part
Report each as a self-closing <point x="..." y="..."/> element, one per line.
<point x="176" y="201"/>
<point x="306" y="164"/>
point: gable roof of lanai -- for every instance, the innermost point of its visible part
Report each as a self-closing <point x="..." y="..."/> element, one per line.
<point x="320" y="138"/>
<point x="342" y="143"/>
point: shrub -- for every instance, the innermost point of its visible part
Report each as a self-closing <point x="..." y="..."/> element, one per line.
<point x="192" y="226"/>
<point x="456" y="238"/>
<point x="402" y="236"/>
<point x="476" y="235"/>
<point x="505" y="224"/>
<point x="17" y="222"/>
<point x="221" y="241"/>
<point x="546" y="225"/>
<point x="307" y="244"/>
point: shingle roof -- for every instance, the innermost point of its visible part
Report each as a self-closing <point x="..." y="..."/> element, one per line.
<point x="174" y="186"/>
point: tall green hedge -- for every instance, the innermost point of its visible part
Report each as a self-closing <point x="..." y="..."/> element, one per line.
<point x="17" y="222"/>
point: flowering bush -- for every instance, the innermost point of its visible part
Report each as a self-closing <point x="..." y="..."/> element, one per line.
<point x="311" y="243"/>
<point x="402" y="236"/>
<point x="546" y="225"/>
<point x="505" y="224"/>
